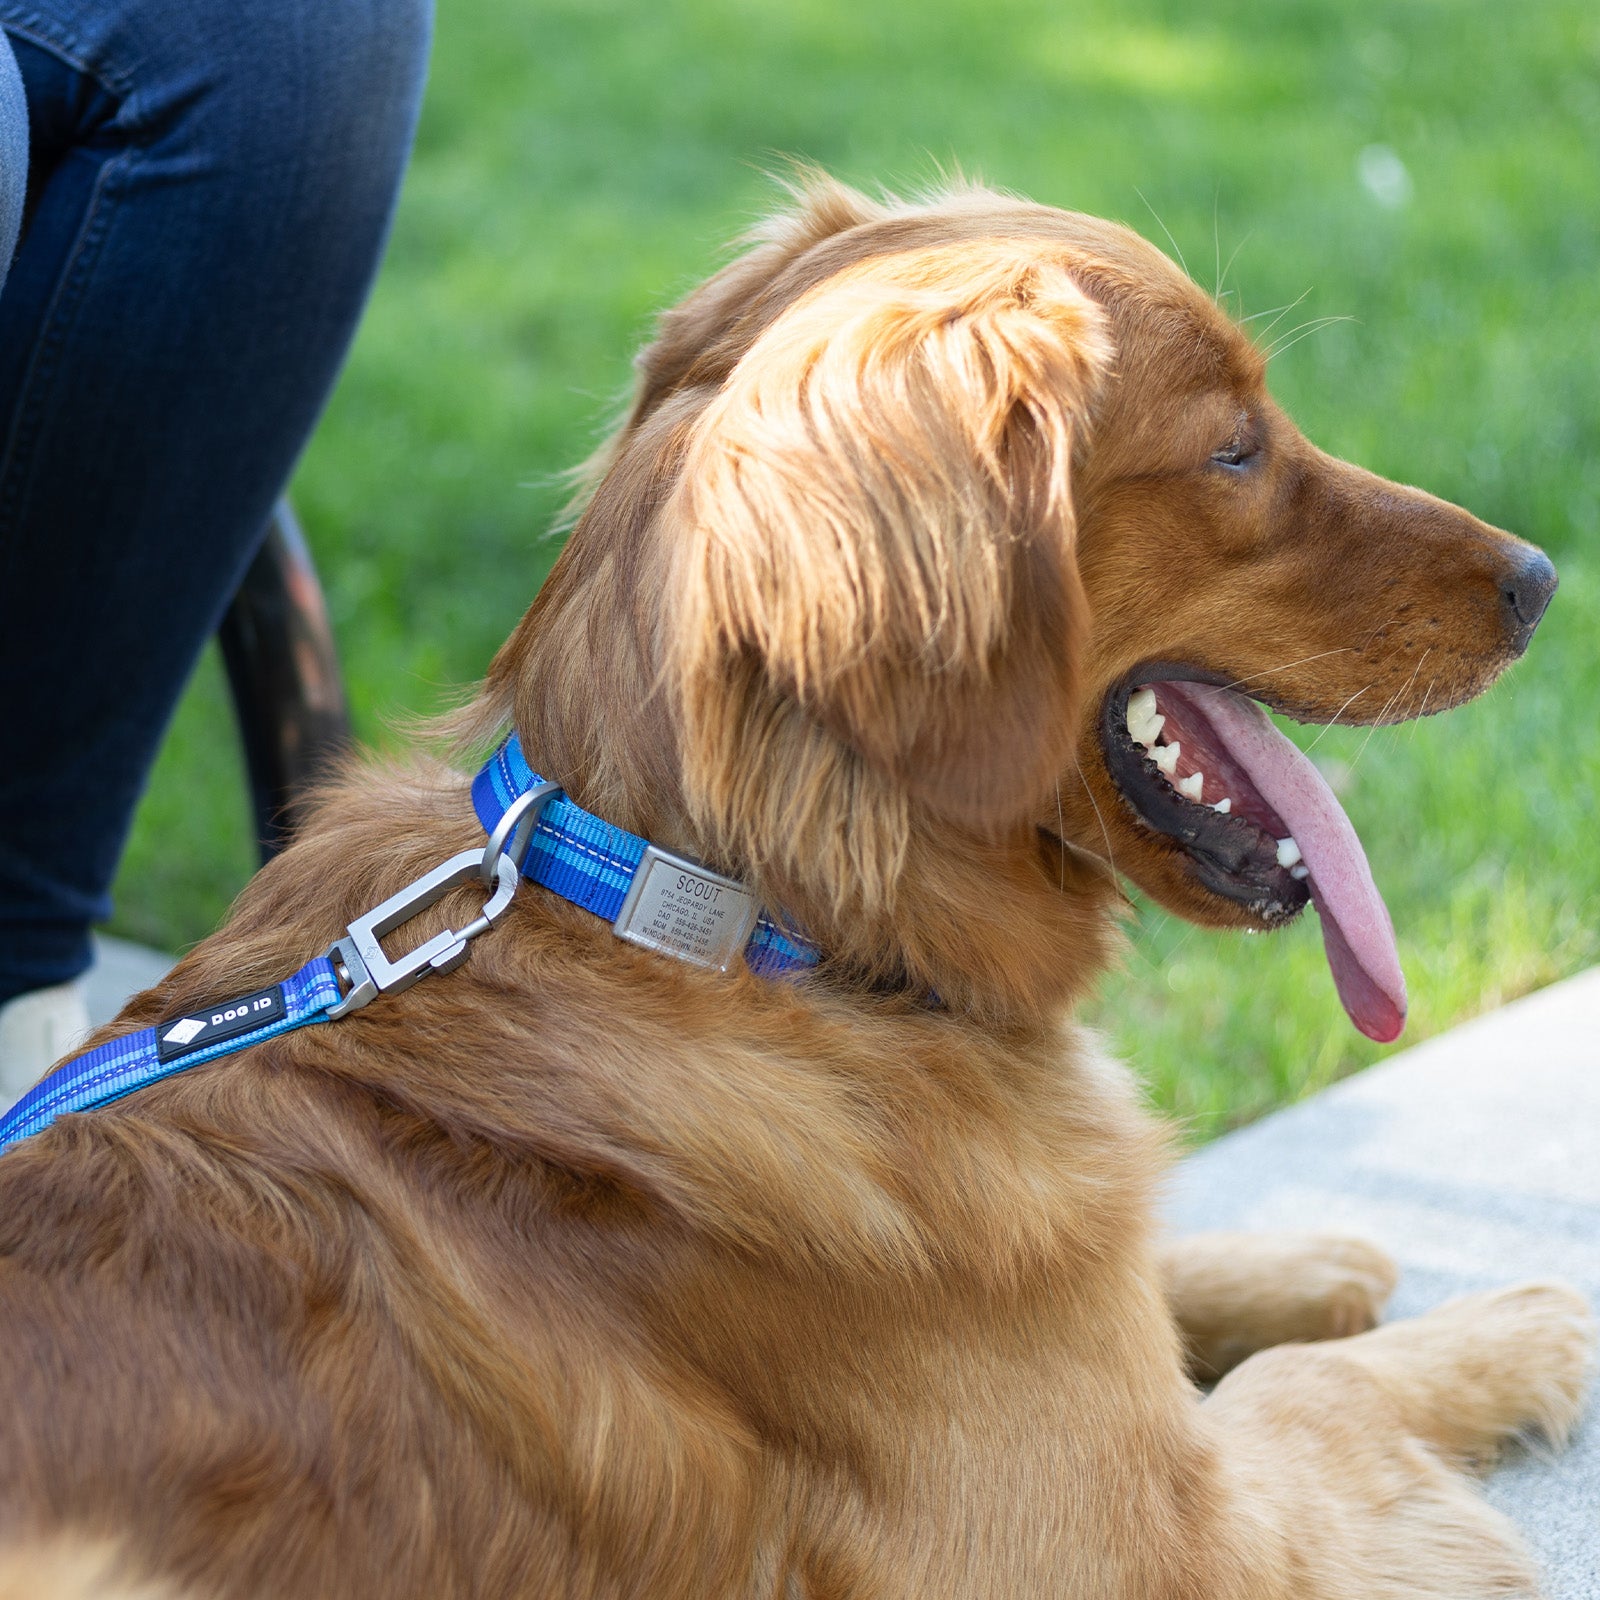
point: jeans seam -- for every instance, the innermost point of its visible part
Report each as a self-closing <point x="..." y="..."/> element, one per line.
<point x="33" y="397"/>
<point x="37" y="32"/>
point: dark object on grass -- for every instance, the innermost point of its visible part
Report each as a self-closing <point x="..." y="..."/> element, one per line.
<point x="283" y="670"/>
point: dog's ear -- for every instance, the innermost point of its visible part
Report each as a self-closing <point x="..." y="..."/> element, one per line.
<point x="705" y="334"/>
<point x="875" y="513"/>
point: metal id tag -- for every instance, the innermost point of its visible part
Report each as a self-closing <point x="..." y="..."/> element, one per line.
<point x="687" y="911"/>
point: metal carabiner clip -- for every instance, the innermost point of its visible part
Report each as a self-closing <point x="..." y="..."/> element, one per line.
<point x="359" y="958"/>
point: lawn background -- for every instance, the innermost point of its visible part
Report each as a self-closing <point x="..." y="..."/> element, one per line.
<point x="1427" y="170"/>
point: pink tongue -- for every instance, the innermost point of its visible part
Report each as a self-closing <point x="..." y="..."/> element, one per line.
<point x="1356" y="932"/>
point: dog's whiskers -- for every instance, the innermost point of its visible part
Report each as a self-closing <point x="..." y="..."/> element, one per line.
<point x="1405" y="690"/>
<point x="1379" y="720"/>
<point x="1333" y="720"/>
<point x="1303" y="331"/>
<point x="1061" y="834"/>
<point x="1229" y="268"/>
<point x="1105" y="832"/>
<point x="1416" y="721"/>
<point x="1270" y="311"/>
<point x="1267" y="672"/>
<point x="1406" y="687"/>
<point x="1166" y="230"/>
<point x="1278" y="313"/>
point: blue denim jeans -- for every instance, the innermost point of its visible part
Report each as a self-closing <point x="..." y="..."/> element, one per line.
<point x="13" y="154"/>
<point x="209" y="184"/>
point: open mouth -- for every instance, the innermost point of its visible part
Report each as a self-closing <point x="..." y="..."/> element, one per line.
<point x="1206" y="768"/>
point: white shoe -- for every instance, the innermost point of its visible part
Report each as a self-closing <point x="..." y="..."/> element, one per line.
<point x="36" y="1030"/>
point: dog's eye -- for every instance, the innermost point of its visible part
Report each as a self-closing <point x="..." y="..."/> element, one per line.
<point x="1235" y="454"/>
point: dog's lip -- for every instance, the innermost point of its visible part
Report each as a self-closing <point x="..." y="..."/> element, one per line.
<point x="1188" y="672"/>
<point x="1231" y="856"/>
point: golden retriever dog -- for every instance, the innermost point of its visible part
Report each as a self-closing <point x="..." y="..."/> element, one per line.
<point x="937" y="577"/>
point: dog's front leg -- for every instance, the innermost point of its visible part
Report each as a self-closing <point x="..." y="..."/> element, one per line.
<point x="1357" y="1449"/>
<point x="1235" y="1293"/>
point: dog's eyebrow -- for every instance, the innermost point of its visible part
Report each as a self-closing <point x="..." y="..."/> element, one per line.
<point x="1241" y="427"/>
<point x="1240" y="438"/>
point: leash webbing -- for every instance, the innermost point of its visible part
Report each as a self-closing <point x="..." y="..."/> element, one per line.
<point x="118" y="1067"/>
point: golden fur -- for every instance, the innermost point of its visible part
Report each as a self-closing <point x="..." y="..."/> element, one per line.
<point x="581" y="1272"/>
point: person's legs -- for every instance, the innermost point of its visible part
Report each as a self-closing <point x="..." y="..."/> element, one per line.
<point x="42" y="1024"/>
<point x="211" y="185"/>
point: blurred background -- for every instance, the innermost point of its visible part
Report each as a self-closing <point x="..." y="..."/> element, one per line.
<point x="1425" y="172"/>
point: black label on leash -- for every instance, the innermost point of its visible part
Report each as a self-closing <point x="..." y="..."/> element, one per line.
<point x="197" y="1029"/>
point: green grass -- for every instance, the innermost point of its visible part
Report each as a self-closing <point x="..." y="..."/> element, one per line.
<point x="582" y="163"/>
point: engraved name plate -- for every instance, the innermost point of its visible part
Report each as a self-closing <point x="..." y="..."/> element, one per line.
<point x="687" y="911"/>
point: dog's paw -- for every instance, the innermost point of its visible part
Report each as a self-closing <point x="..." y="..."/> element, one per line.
<point x="1485" y="1367"/>
<point x="1337" y="1285"/>
<point x="1236" y="1293"/>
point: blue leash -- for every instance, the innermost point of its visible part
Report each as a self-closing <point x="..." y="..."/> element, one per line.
<point x="119" y="1067"/>
<point x="651" y="898"/>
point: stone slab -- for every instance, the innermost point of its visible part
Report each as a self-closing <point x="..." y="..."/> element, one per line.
<point x="121" y="969"/>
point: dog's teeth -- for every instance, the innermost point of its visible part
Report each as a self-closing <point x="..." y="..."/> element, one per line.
<point x="1300" y="871"/>
<point x="1288" y="853"/>
<point x="1145" y="722"/>
<point x="1165" y="756"/>
<point x="1141" y="707"/>
<point x="1191" y="787"/>
<point x="1224" y="805"/>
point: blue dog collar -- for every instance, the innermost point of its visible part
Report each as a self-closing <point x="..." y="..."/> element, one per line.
<point x="651" y="897"/>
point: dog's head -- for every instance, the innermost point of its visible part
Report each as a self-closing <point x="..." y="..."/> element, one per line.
<point x="942" y="562"/>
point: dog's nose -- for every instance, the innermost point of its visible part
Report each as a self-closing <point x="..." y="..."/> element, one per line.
<point x="1525" y="592"/>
